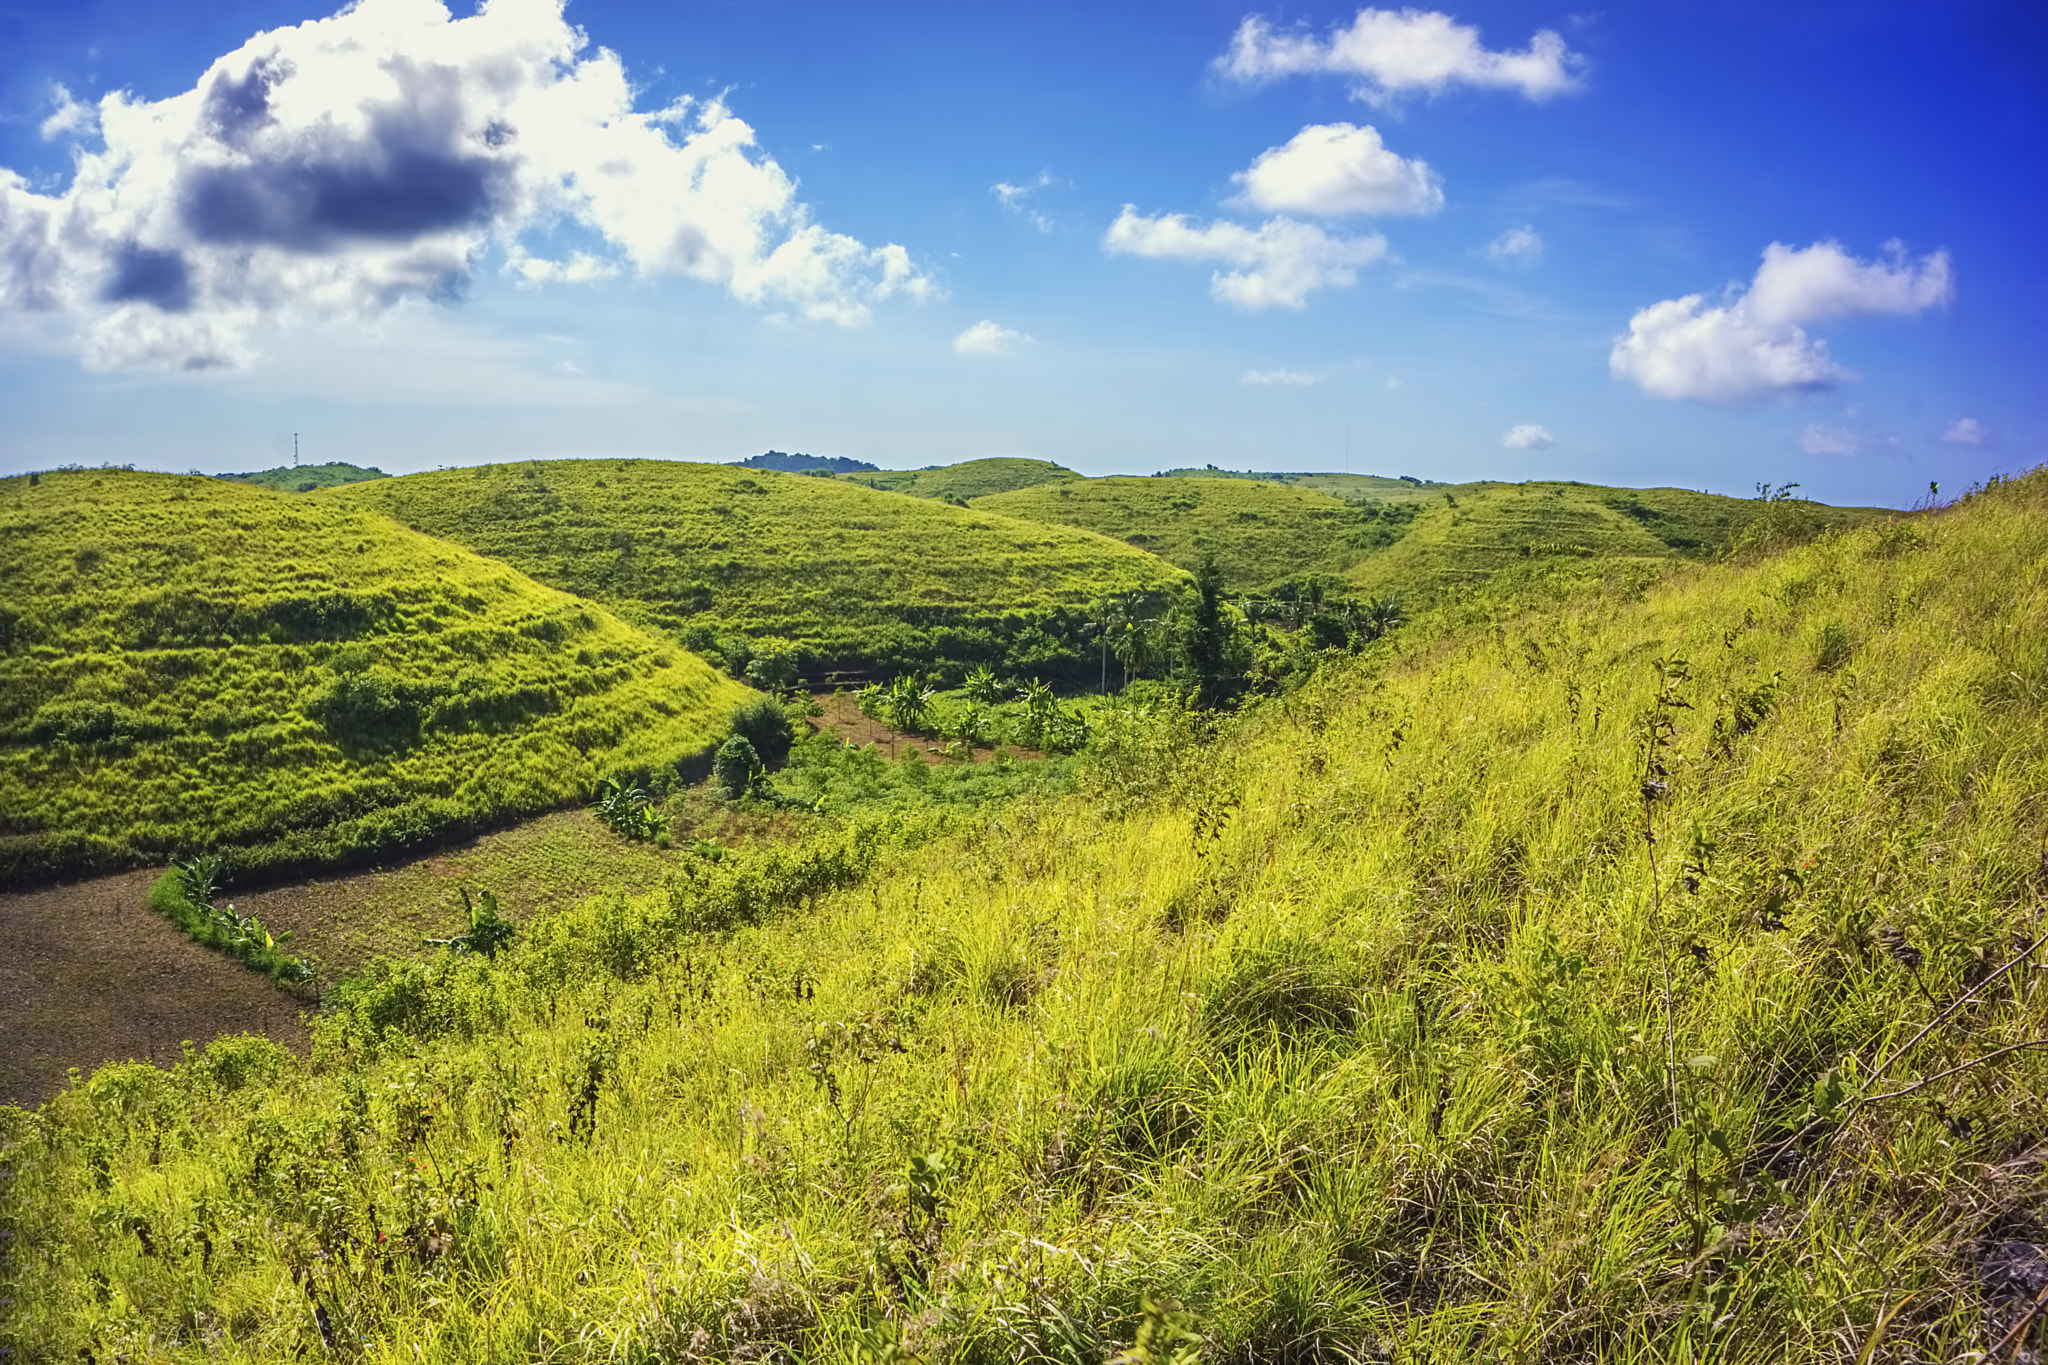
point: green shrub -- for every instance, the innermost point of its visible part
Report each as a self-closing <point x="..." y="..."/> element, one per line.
<point x="736" y="767"/>
<point x="763" y="723"/>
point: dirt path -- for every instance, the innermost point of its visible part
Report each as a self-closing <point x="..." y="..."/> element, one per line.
<point x="90" y="974"/>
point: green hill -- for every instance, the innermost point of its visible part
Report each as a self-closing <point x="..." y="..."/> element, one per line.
<point x="706" y="553"/>
<point x="1467" y="535"/>
<point x="1632" y="980"/>
<point x="192" y="665"/>
<point x="1353" y="487"/>
<point x="1259" y="532"/>
<point x="306" y="478"/>
<point x="970" y="479"/>
<point x="1430" y="543"/>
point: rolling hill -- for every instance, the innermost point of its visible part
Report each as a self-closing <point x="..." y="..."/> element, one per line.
<point x="1423" y="546"/>
<point x="1624" y="981"/>
<point x="969" y="479"/>
<point x="1353" y="487"/>
<point x="306" y="478"/>
<point x="191" y="665"/>
<point x="1259" y="532"/>
<point x="706" y="552"/>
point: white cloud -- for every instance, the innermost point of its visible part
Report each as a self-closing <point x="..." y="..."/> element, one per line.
<point x="1013" y="199"/>
<point x="1816" y="439"/>
<point x="1392" y="52"/>
<point x="1966" y="431"/>
<point x="1392" y="383"/>
<point x="67" y="115"/>
<point x="1297" y="378"/>
<point x="1528" y="436"/>
<point x="1756" y="345"/>
<point x="1516" y="246"/>
<point x="1336" y="168"/>
<point x="1276" y="264"/>
<point x="987" y="338"/>
<point x="328" y="171"/>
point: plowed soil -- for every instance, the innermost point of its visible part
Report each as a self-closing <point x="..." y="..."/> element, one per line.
<point x="90" y="974"/>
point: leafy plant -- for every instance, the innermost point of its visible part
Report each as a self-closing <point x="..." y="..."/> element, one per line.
<point x="627" y="810"/>
<point x="736" y="767"/>
<point x="488" y="930"/>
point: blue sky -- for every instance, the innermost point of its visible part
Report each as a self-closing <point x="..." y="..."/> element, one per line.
<point x="1700" y="244"/>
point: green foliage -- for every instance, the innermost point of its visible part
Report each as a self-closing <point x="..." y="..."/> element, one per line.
<point x="970" y="479"/>
<point x="707" y="552"/>
<point x="184" y="895"/>
<point x="306" y="478"/>
<point x="627" y="810"/>
<point x="291" y="685"/>
<point x="488" y="930"/>
<point x="1347" y="1019"/>
<point x="736" y="767"/>
<point x="765" y="724"/>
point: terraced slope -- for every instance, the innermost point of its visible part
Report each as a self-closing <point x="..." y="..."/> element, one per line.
<point x="702" y="550"/>
<point x="188" y="664"/>
<point x="969" y="479"/>
<point x="1473" y="532"/>
<point x="1260" y="533"/>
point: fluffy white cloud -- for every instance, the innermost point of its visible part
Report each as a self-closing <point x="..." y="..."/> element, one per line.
<point x="1296" y="378"/>
<point x="1756" y="345"/>
<point x="1815" y="439"/>
<point x="1391" y="52"/>
<point x="1336" y="168"/>
<point x="332" y="170"/>
<point x="1516" y="246"/>
<point x="1528" y="436"/>
<point x="1014" y="199"/>
<point x="1276" y="264"/>
<point x="1966" y="431"/>
<point x="67" y="115"/>
<point x="988" y="338"/>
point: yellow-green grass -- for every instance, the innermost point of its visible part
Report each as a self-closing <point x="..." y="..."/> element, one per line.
<point x="968" y="479"/>
<point x="1260" y="533"/>
<point x="851" y="573"/>
<point x="189" y="665"/>
<point x="1470" y="533"/>
<point x="1374" y="1028"/>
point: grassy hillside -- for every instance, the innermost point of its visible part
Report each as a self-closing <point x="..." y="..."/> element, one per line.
<point x="700" y="551"/>
<point x="1355" y="487"/>
<point x="188" y="664"/>
<point x="306" y="478"/>
<point x="969" y="479"/>
<point x="1627" y="982"/>
<point x="1259" y="532"/>
<point x="1472" y="532"/>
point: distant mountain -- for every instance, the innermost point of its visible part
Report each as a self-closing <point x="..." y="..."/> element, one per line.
<point x="804" y="464"/>
<point x="307" y="477"/>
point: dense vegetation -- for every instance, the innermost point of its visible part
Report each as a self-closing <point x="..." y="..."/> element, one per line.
<point x="806" y="464"/>
<point x="1629" y="979"/>
<point x="190" y="666"/>
<point x="969" y="479"/>
<point x="306" y="478"/>
<point x="733" y="562"/>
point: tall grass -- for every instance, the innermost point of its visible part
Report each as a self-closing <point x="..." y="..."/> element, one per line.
<point x="1399" y="1020"/>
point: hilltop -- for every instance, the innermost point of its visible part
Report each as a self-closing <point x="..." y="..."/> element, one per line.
<point x="1429" y="543"/>
<point x="190" y="665"/>
<point x="306" y="478"/>
<point x="1466" y="536"/>
<point x="719" y="558"/>
<point x="969" y="479"/>
<point x="804" y="464"/>
<point x="1260" y="533"/>
<point x="1638" y="978"/>
<point x="1353" y="487"/>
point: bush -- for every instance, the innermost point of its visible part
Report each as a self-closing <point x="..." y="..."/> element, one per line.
<point x="367" y="709"/>
<point x="764" y="724"/>
<point x="736" y="767"/>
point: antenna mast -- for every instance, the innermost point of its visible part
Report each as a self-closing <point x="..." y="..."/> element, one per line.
<point x="295" y="450"/>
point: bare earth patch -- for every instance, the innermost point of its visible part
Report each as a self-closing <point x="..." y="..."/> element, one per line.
<point x="843" y="718"/>
<point x="90" y="974"/>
